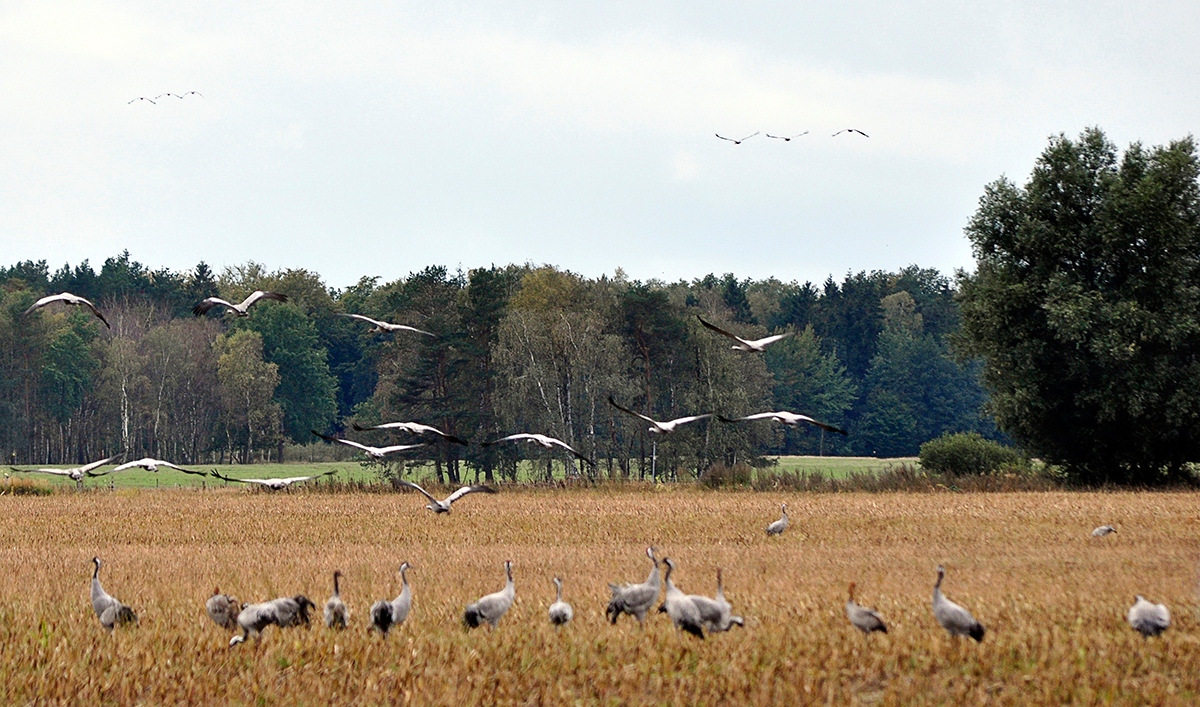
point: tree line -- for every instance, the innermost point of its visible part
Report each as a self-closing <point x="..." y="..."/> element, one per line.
<point x="517" y="348"/>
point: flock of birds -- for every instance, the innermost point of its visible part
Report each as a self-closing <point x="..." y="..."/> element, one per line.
<point x="788" y="138"/>
<point x="695" y="614"/>
<point x="377" y="453"/>
<point x="156" y="99"/>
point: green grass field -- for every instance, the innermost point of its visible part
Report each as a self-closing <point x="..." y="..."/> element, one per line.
<point x="834" y="467"/>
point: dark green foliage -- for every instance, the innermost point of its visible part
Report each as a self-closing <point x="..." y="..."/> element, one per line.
<point x="1085" y="306"/>
<point x="307" y="391"/>
<point x="964" y="453"/>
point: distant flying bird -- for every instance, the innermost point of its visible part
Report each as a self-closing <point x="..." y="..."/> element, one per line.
<point x="67" y="298"/>
<point x="180" y="97"/>
<point x="784" y="417"/>
<point x="76" y="474"/>
<point x="444" y="506"/>
<point x="543" y="440"/>
<point x="376" y="453"/>
<point x="660" y="428"/>
<point x="750" y="345"/>
<point x="415" y="428"/>
<point x="238" y="309"/>
<point x="149" y="465"/>
<point x="1103" y="530"/>
<point x="381" y="327"/>
<point x="786" y="139"/>
<point x="141" y="98"/>
<point x="739" y="140"/>
<point x="850" y="130"/>
<point x="275" y="484"/>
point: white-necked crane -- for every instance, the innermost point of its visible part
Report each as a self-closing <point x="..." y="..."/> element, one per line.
<point x="148" y="464"/>
<point x="242" y="308"/>
<point x="737" y="141"/>
<point x="749" y="345"/>
<point x="787" y="138"/>
<point x="660" y="428"/>
<point x="783" y="417"/>
<point x="67" y="298"/>
<point x="275" y="484"/>
<point x="415" y="428"/>
<point x="444" y="506"/>
<point x="381" y="327"/>
<point x="376" y="453"/>
<point x="541" y="440"/>
<point x="955" y="619"/>
<point x="76" y="474"/>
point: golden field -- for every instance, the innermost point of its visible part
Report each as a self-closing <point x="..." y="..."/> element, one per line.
<point x="1052" y="598"/>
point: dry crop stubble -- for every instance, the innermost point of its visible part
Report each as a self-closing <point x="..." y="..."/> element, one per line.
<point x="1051" y="596"/>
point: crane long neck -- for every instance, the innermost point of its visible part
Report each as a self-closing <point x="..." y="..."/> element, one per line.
<point x="336" y="589"/>
<point x="558" y="590"/>
<point x="404" y="575"/>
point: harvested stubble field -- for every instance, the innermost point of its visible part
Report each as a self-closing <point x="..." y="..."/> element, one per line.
<point x="1052" y="597"/>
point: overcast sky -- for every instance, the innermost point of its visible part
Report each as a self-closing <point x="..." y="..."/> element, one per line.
<point x="375" y="138"/>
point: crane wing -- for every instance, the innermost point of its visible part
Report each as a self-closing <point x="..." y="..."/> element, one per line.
<point x="364" y="318"/>
<point x="721" y="331"/>
<point x="207" y="304"/>
<point x="631" y="412"/>
<point x="261" y="295"/>
<point x="347" y="442"/>
<point x="423" y="492"/>
<point x="469" y="489"/>
<point x="769" y="339"/>
<point x="693" y="418"/>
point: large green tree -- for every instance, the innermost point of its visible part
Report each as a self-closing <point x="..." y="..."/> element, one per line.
<point x="1085" y="306"/>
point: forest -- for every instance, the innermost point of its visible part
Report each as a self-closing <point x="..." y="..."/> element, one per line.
<point x="518" y="348"/>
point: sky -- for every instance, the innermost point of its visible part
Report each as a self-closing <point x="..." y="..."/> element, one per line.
<point x="376" y="138"/>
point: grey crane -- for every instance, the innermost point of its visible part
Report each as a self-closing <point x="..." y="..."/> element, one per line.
<point x="955" y="619"/>
<point x="542" y="440"/>
<point x="786" y="138"/>
<point x="381" y="327"/>
<point x="777" y="527"/>
<point x="679" y="607"/>
<point x="376" y="453"/>
<point x="386" y="614"/>
<point x="149" y="464"/>
<point x="560" y="611"/>
<point x="67" y="298"/>
<point x="336" y="613"/>
<point x="242" y="308"/>
<point x="635" y="599"/>
<point x="1147" y="618"/>
<point x="492" y="607"/>
<point x="736" y="141"/>
<point x="444" y="506"/>
<point x="716" y="613"/>
<point x="415" y="428"/>
<point x="864" y="619"/>
<point x="76" y="474"/>
<point x="283" y="612"/>
<point x="274" y="484"/>
<point x="747" y="345"/>
<point x="1103" y="530"/>
<point x="659" y="428"/>
<point x="223" y="609"/>
<point x="109" y="610"/>
<point x="783" y="417"/>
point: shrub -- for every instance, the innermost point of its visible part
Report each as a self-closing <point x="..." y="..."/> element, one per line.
<point x="966" y="453"/>
<point x="719" y="475"/>
<point x="26" y="487"/>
